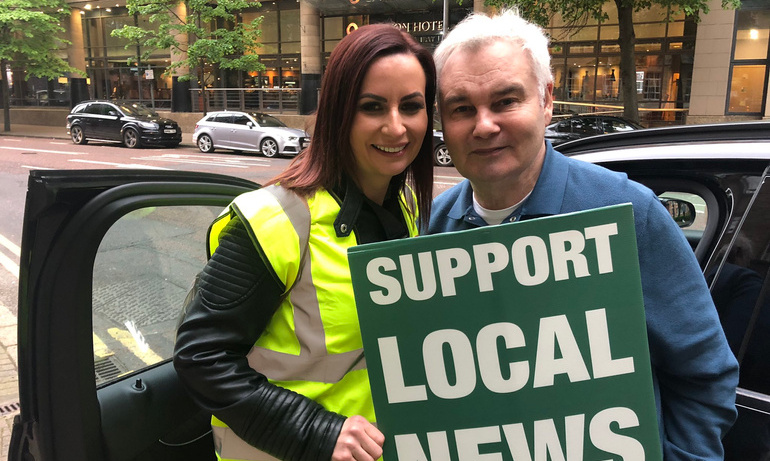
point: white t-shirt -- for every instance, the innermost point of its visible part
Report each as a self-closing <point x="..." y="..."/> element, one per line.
<point x="493" y="217"/>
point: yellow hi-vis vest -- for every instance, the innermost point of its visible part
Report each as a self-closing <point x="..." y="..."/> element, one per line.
<point x="312" y="344"/>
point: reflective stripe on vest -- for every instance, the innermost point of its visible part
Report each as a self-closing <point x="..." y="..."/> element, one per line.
<point x="296" y="351"/>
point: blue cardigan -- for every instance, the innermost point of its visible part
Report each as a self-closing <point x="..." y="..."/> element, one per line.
<point x="694" y="372"/>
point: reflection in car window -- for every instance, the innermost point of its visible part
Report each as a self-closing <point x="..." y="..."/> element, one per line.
<point x="94" y="109"/>
<point x="564" y="127"/>
<point x="137" y="110"/>
<point x="240" y="119"/>
<point x="739" y="288"/>
<point x="223" y="118"/>
<point x="736" y="291"/>
<point x="267" y="120"/>
<point x="142" y="272"/>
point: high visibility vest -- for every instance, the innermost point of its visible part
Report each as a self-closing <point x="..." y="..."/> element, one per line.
<point x="312" y="344"/>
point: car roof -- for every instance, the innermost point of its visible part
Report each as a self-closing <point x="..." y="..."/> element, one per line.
<point x="742" y="140"/>
<point x="248" y="112"/>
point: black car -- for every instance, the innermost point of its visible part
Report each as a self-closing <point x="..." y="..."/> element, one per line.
<point x="130" y="123"/>
<point x="108" y="256"/>
<point x="440" y="152"/>
<point x="583" y="126"/>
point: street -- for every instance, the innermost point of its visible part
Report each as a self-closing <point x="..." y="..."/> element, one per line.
<point x="19" y="155"/>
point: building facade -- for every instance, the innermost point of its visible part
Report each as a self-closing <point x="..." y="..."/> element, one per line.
<point x="687" y="72"/>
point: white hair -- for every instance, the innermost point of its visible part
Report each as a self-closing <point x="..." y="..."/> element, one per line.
<point x="479" y="29"/>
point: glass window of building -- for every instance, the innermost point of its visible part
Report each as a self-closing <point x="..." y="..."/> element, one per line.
<point x="750" y="62"/>
<point x="587" y="74"/>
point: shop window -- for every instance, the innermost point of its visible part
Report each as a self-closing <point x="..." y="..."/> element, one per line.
<point x="558" y="81"/>
<point x="650" y="15"/>
<point x="585" y="34"/>
<point x="580" y="79"/>
<point x="647" y="47"/>
<point x="654" y="30"/>
<point x="748" y="69"/>
<point x="745" y="94"/>
<point x="676" y="29"/>
<point x="333" y="28"/>
<point x="652" y="85"/>
<point x="609" y="33"/>
<point x="611" y="48"/>
<point x="751" y="37"/>
<point x="581" y="49"/>
<point x="290" y="31"/>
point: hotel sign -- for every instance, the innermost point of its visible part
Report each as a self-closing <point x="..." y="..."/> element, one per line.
<point x="421" y="26"/>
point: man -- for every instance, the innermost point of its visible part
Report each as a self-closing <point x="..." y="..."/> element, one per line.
<point x="495" y="99"/>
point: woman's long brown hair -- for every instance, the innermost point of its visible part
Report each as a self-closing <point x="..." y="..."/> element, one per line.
<point x="330" y="155"/>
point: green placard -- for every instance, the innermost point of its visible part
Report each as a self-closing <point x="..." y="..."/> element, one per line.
<point x="521" y="342"/>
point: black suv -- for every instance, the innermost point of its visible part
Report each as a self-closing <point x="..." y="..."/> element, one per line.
<point x="130" y="123"/>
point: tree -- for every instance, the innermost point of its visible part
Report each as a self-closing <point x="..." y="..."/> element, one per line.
<point x="575" y="15"/>
<point x="30" y="36"/>
<point x="212" y="32"/>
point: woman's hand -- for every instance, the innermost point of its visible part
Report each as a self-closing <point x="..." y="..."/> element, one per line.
<point x="359" y="440"/>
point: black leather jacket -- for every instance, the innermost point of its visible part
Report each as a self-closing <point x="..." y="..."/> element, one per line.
<point x="234" y="301"/>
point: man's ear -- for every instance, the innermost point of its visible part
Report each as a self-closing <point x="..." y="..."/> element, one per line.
<point x="548" y="103"/>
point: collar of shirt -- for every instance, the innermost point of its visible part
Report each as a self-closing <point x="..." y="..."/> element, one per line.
<point x="372" y="222"/>
<point x="544" y="200"/>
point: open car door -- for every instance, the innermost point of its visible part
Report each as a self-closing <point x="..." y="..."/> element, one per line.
<point x="107" y="259"/>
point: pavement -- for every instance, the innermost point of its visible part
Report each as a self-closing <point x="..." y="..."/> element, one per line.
<point x="9" y="365"/>
<point x="35" y="131"/>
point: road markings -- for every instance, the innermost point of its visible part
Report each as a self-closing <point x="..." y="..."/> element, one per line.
<point x="100" y="349"/>
<point x="9" y="264"/>
<point x="136" y="344"/>
<point x="36" y="167"/>
<point x="47" y="151"/>
<point x="120" y="165"/>
<point x="207" y="160"/>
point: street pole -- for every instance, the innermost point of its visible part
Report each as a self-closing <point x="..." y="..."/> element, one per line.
<point x="446" y="19"/>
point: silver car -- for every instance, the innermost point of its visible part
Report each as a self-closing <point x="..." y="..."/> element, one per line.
<point x="248" y="131"/>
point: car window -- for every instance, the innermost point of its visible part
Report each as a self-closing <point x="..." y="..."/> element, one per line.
<point x="265" y="120"/>
<point x="95" y="108"/>
<point x="584" y="126"/>
<point x="143" y="270"/>
<point x="240" y="119"/>
<point x="737" y="288"/>
<point x="612" y="126"/>
<point x="563" y="127"/>
<point x="223" y="118"/>
<point x="138" y="110"/>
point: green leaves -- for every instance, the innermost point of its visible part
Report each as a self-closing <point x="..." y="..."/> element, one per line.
<point x="31" y="35"/>
<point x="216" y="34"/>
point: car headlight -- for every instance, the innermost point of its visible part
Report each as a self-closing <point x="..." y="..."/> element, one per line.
<point x="149" y="125"/>
<point x="292" y="138"/>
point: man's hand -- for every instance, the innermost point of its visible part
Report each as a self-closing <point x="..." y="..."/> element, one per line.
<point x="359" y="440"/>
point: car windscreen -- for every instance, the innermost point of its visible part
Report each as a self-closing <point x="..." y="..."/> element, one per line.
<point x="137" y="110"/>
<point x="267" y="120"/>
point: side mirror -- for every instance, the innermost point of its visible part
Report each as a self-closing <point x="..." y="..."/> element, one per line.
<point x="250" y="124"/>
<point x="681" y="211"/>
<point x="112" y="113"/>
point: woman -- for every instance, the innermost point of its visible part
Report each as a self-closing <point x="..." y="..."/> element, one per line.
<point x="271" y="343"/>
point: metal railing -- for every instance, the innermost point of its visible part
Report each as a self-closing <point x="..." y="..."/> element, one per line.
<point x="663" y="115"/>
<point x="276" y="100"/>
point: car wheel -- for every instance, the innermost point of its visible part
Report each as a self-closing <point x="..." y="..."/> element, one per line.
<point x="268" y="147"/>
<point x="441" y="155"/>
<point x="205" y="144"/>
<point x="78" y="137"/>
<point x="130" y="138"/>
